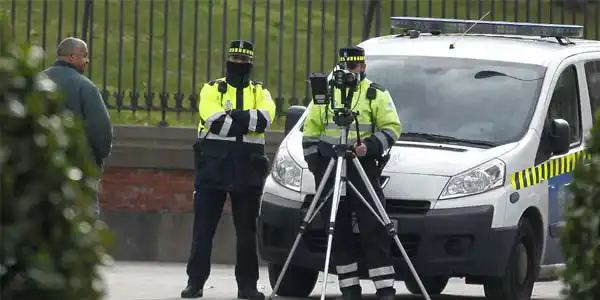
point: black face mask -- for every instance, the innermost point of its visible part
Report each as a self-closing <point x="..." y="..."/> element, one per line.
<point x="238" y="74"/>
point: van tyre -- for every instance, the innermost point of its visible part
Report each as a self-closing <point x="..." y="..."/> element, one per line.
<point x="433" y="285"/>
<point x="521" y="270"/>
<point x="297" y="282"/>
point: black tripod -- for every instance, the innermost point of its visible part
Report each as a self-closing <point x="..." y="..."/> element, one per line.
<point x="343" y="118"/>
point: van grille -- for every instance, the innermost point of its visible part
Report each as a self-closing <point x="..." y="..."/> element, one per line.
<point x="316" y="241"/>
<point x="397" y="206"/>
<point x="393" y="206"/>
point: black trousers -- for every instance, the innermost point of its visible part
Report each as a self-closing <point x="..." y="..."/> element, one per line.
<point x="373" y="237"/>
<point x="208" y="206"/>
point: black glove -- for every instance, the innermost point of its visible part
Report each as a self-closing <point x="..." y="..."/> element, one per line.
<point x="240" y="116"/>
<point x="373" y="147"/>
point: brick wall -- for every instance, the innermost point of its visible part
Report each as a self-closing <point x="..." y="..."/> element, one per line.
<point x="148" y="190"/>
<point x="146" y="195"/>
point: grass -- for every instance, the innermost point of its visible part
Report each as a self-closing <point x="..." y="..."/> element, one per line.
<point x="290" y="40"/>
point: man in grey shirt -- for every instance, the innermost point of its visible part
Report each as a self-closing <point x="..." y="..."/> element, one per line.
<point x="83" y="98"/>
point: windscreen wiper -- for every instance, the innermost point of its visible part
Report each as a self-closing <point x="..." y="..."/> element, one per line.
<point x="489" y="73"/>
<point x="446" y="139"/>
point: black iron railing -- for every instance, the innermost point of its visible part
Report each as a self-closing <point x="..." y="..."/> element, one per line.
<point x="151" y="57"/>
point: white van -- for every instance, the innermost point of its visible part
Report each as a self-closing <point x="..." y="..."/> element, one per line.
<point x="492" y="127"/>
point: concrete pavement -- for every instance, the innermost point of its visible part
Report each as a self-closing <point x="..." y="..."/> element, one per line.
<point x="162" y="281"/>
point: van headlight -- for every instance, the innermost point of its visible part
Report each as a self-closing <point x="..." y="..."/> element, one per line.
<point x="286" y="171"/>
<point x="482" y="178"/>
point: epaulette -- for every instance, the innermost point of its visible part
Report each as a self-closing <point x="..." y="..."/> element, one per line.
<point x="256" y="82"/>
<point x="372" y="90"/>
<point x="222" y="86"/>
<point x="377" y="86"/>
<point x="212" y="82"/>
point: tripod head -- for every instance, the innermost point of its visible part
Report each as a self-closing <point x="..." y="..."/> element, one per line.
<point x="323" y="90"/>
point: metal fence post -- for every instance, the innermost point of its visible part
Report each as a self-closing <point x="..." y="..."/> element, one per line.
<point x="87" y="6"/>
<point x="369" y="16"/>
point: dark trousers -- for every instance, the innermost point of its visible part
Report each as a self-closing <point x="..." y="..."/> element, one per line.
<point x="208" y="206"/>
<point x="96" y="197"/>
<point x="96" y="205"/>
<point x="373" y="237"/>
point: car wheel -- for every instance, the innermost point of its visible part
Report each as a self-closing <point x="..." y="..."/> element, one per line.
<point x="297" y="282"/>
<point x="433" y="285"/>
<point x="521" y="270"/>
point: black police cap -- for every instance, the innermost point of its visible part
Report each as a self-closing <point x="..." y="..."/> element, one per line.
<point x="241" y="47"/>
<point x="352" y="54"/>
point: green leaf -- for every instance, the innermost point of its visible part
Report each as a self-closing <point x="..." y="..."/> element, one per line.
<point x="51" y="244"/>
<point x="580" y="241"/>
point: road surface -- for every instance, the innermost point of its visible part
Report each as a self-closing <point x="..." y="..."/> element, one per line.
<point x="156" y="281"/>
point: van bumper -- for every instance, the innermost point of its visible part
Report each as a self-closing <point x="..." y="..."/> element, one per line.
<point x="448" y="242"/>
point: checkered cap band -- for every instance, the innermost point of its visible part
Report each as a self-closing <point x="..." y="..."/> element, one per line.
<point x="241" y="47"/>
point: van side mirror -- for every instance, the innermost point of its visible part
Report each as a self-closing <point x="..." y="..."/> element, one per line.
<point x="292" y="116"/>
<point x="560" y="136"/>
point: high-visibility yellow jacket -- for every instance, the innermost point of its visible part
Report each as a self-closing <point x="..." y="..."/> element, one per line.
<point x="378" y="121"/>
<point x="220" y="118"/>
<point x="231" y="134"/>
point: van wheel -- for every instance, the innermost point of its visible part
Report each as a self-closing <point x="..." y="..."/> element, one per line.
<point x="521" y="270"/>
<point x="433" y="285"/>
<point x="297" y="282"/>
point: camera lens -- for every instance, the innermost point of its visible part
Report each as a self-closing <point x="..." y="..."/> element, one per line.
<point x="350" y="78"/>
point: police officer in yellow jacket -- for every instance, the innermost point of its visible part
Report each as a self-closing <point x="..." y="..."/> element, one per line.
<point x="230" y="158"/>
<point x="379" y="127"/>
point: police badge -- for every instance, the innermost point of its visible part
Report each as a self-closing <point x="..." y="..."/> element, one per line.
<point x="228" y="105"/>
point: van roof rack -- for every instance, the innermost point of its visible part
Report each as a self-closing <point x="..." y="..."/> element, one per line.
<point x="438" y="25"/>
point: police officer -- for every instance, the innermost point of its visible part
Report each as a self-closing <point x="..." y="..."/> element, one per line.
<point x="379" y="127"/>
<point x="230" y="158"/>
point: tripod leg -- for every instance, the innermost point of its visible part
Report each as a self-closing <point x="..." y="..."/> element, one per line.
<point x="321" y="205"/>
<point x="365" y="202"/>
<point x="334" y="206"/>
<point x="388" y="223"/>
<point x="307" y="219"/>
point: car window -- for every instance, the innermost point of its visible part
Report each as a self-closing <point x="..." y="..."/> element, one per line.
<point x="470" y="99"/>
<point x="592" y="74"/>
<point x="565" y="102"/>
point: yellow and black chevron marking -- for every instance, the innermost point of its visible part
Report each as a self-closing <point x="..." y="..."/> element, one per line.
<point x="549" y="169"/>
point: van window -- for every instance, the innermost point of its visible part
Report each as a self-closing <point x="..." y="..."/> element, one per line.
<point x="565" y="102"/>
<point x="469" y="100"/>
<point x="592" y="74"/>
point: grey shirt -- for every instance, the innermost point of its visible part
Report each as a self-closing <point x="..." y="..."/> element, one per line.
<point x="85" y="101"/>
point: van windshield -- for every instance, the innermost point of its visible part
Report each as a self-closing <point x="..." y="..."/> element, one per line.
<point x="459" y="101"/>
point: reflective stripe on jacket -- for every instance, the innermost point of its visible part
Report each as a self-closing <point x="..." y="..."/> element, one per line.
<point x="250" y="122"/>
<point x="230" y="151"/>
<point x="379" y="124"/>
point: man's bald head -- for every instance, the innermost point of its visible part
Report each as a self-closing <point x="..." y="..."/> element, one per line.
<point x="73" y="51"/>
<point x="67" y="46"/>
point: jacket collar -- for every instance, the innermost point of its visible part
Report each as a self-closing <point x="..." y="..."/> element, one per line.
<point x="62" y="63"/>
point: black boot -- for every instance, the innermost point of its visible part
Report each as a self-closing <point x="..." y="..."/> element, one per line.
<point x="351" y="295"/>
<point x="192" y="291"/>
<point x="250" y="294"/>
<point x="386" y="294"/>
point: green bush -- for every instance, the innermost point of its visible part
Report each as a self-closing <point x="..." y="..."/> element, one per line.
<point x="580" y="240"/>
<point x="51" y="246"/>
<point x="5" y="29"/>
